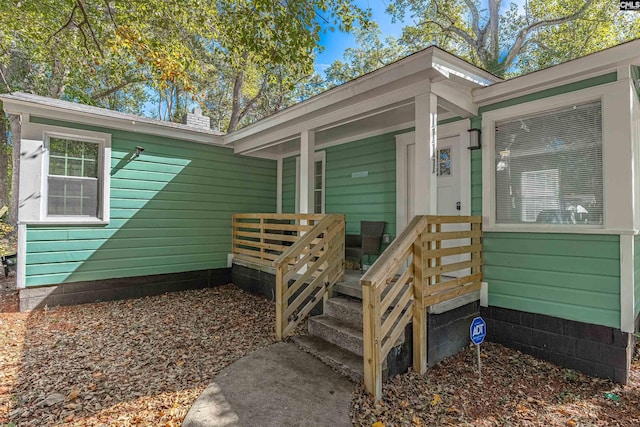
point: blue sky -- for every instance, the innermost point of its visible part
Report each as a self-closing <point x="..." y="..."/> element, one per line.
<point x="335" y="42"/>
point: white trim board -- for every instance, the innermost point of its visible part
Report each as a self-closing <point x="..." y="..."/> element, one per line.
<point x="21" y="260"/>
<point x="592" y="65"/>
<point x="627" y="285"/>
<point x="130" y="123"/>
<point x="320" y="156"/>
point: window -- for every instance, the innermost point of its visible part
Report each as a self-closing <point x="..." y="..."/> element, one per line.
<point x="318" y="187"/>
<point x="548" y="167"/>
<point x="318" y="182"/>
<point x="73" y="177"/>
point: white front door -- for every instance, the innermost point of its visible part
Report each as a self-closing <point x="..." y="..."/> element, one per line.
<point x="454" y="183"/>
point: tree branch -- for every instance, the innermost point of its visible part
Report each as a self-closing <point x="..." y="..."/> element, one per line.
<point x="86" y="21"/>
<point x="252" y="101"/>
<point x="116" y="88"/>
<point x="475" y="17"/>
<point x="66" y="25"/>
<point x="522" y="34"/>
<point x="494" y="20"/>
<point x="113" y="20"/>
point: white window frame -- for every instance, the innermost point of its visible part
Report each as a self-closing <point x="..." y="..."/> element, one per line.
<point x="104" y="181"/>
<point x="319" y="156"/>
<point x="616" y="152"/>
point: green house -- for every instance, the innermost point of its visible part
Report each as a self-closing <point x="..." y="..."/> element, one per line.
<point x="114" y="205"/>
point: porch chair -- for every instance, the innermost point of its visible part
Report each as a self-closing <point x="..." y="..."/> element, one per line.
<point x="368" y="242"/>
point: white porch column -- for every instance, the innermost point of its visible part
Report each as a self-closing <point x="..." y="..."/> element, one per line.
<point x="426" y="184"/>
<point x="279" y="185"/>
<point x="307" y="163"/>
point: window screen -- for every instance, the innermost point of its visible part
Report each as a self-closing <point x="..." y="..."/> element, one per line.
<point x="73" y="178"/>
<point x="549" y="167"/>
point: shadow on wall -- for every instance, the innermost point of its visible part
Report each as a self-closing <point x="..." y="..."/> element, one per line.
<point x="170" y="213"/>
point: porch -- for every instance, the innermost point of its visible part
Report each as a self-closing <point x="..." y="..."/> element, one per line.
<point x="435" y="259"/>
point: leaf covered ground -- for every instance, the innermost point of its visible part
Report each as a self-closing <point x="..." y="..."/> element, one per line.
<point x="133" y="362"/>
<point x="516" y="389"/>
<point x="145" y="361"/>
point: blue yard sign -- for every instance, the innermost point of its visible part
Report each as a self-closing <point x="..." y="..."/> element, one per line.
<point x="478" y="330"/>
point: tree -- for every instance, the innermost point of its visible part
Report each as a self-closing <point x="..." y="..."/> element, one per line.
<point x="370" y="54"/>
<point x="512" y="41"/>
<point x="117" y="53"/>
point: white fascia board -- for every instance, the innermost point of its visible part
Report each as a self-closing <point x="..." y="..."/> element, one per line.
<point x="578" y="69"/>
<point x="454" y="99"/>
<point x="413" y="64"/>
<point x="14" y="106"/>
<point x="338" y="115"/>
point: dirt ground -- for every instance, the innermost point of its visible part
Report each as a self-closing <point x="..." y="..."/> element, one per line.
<point x="516" y="389"/>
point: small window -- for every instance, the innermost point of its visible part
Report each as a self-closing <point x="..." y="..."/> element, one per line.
<point x="318" y="182"/>
<point x="73" y="178"/>
<point x="549" y="167"/>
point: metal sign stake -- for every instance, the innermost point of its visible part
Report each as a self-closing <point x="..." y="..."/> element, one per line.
<point x="479" y="364"/>
<point x="477" y="332"/>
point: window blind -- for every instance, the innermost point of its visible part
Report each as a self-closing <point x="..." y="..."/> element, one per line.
<point x="548" y="167"/>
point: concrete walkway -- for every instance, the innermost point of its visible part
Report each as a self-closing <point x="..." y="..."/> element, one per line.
<point x="279" y="385"/>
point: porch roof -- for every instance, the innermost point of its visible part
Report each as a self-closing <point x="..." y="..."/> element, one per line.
<point x="380" y="101"/>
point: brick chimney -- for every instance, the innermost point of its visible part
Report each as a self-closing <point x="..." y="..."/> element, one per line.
<point x="196" y="119"/>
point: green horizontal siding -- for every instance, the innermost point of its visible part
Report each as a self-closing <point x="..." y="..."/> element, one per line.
<point x="170" y="212"/>
<point x="289" y="185"/>
<point x="571" y="276"/>
<point x="369" y="198"/>
<point x="636" y="275"/>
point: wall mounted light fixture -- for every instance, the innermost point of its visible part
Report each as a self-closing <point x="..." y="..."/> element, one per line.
<point x="474" y="139"/>
<point x="139" y="150"/>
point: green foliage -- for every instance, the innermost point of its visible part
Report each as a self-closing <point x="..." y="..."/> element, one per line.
<point x="541" y="34"/>
<point x="110" y="53"/>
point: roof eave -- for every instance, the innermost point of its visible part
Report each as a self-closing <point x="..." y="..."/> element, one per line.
<point x="14" y="105"/>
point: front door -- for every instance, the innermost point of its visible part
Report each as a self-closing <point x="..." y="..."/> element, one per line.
<point x="453" y="167"/>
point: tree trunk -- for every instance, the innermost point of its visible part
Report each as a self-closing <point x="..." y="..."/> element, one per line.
<point x="16" y="129"/>
<point x="235" y="106"/>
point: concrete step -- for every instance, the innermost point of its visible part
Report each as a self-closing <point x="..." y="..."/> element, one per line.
<point x="337" y="332"/>
<point x="348" y="310"/>
<point x="349" y="289"/>
<point x="342" y="361"/>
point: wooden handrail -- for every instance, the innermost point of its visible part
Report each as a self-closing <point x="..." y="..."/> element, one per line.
<point x="306" y="239"/>
<point x="260" y="238"/>
<point x="399" y="246"/>
<point x="403" y="289"/>
<point x="306" y="272"/>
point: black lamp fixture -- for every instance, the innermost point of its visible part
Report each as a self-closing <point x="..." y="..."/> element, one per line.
<point x="139" y="150"/>
<point x="474" y="139"/>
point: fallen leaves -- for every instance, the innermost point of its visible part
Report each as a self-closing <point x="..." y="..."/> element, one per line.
<point x="134" y="362"/>
<point x="516" y="389"/>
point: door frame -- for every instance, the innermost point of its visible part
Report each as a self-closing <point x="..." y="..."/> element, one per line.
<point x="403" y="140"/>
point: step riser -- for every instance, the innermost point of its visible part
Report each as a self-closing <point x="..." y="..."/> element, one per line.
<point x="349" y="312"/>
<point x="335" y="336"/>
<point x="347" y="364"/>
<point x="347" y="290"/>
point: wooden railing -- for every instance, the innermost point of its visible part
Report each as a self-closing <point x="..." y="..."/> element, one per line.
<point x="262" y="237"/>
<point x="410" y="276"/>
<point x="306" y="272"/>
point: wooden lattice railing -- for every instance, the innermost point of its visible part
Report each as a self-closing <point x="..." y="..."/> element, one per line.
<point x="306" y="272"/>
<point x="410" y="276"/>
<point x="261" y="238"/>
